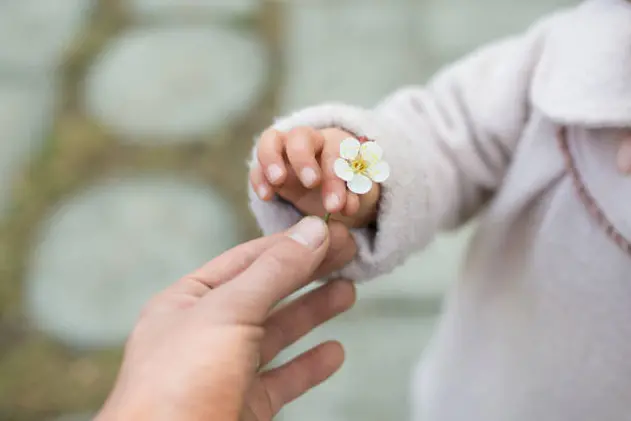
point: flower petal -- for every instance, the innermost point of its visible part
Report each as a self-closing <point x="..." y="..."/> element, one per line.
<point x="360" y="184"/>
<point x="343" y="169"/>
<point x="349" y="148"/>
<point x="371" y="152"/>
<point x="379" y="172"/>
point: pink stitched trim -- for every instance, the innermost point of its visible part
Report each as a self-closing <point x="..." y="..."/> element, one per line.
<point x="361" y="139"/>
<point x="587" y="199"/>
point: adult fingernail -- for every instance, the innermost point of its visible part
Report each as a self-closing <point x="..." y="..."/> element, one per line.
<point x="308" y="176"/>
<point x="274" y="173"/>
<point x="624" y="157"/>
<point x="309" y="232"/>
<point x="332" y="202"/>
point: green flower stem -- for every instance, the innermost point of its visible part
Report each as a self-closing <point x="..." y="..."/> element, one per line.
<point x="326" y="218"/>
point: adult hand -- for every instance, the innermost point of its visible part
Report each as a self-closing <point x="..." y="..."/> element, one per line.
<point x="197" y="348"/>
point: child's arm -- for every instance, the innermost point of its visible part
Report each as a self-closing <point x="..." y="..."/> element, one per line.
<point x="448" y="144"/>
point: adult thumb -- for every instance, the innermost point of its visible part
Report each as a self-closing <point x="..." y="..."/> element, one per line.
<point x="282" y="269"/>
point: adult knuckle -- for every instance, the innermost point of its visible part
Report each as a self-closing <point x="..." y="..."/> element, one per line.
<point x="285" y="259"/>
<point x="276" y="263"/>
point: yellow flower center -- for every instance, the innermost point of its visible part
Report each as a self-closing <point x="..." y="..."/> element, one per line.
<point x="358" y="165"/>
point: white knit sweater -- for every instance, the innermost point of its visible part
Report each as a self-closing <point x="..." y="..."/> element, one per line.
<point x="539" y="325"/>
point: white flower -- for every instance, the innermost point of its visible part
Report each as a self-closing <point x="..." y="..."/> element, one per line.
<point x="360" y="165"/>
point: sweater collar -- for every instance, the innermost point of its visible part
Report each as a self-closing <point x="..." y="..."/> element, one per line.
<point x="584" y="75"/>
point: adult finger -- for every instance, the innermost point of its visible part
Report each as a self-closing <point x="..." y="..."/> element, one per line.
<point x="278" y="272"/>
<point x="289" y="381"/>
<point x="224" y="267"/>
<point x="299" y="317"/>
<point x="302" y="146"/>
<point x="270" y="152"/>
<point x="342" y="249"/>
<point x="233" y="262"/>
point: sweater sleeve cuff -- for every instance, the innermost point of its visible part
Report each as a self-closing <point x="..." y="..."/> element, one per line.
<point x="385" y="245"/>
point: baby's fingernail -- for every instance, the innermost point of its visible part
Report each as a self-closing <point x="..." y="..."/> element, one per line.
<point x="310" y="232"/>
<point x="274" y="173"/>
<point x="262" y="191"/>
<point x="332" y="202"/>
<point x="624" y="157"/>
<point x="308" y="176"/>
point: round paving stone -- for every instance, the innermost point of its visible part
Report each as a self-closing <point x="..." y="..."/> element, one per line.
<point x="167" y="84"/>
<point x="104" y="253"/>
<point x="25" y="115"/>
<point x="169" y="9"/>
<point x="34" y="34"/>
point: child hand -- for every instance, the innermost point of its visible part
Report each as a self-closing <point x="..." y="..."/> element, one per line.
<point x="299" y="167"/>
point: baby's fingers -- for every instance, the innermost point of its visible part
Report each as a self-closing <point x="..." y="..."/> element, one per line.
<point x="270" y="152"/>
<point x="302" y="146"/>
<point x="334" y="191"/>
<point x="352" y="204"/>
<point x="259" y="183"/>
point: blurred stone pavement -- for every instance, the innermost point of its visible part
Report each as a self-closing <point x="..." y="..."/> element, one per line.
<point x="124" y="129"/>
